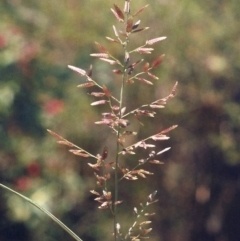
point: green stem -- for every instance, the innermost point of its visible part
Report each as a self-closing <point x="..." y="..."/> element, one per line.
<point x="124" y="76"/>
<point x="117" y="159"/>
<point x="56" y="220"/>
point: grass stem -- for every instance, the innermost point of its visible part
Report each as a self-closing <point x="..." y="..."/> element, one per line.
<point x="56" y="220"/>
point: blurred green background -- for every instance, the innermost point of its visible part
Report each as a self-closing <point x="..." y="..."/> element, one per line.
<point x="199" y="185"/>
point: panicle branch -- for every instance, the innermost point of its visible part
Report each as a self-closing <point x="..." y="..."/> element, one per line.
<point x="138" y="229"/>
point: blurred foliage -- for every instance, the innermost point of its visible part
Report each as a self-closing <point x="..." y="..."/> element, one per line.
<point x="199" y="183"/>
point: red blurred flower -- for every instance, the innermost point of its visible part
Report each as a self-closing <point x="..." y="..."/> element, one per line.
<point x="23" y="183"/>
<point x="54" y="106"/>
<point x="33" y="169"/>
